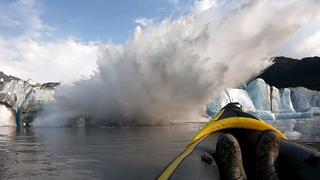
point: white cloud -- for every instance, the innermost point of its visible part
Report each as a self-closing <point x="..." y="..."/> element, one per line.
<point x="23" y="15"/>
<point x="202" y="5"/>
<point x="28" y="55"/>
<point x="66" y="60"/>
<point x="312" y="44"/>
<point x="143" y="21"/>
<point x="304" y="43"/>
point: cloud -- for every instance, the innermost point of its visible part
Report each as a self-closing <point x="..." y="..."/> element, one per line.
<point x="23" y="15"/>
<point x="304" y="43"/>
<point x="191" y="6"/>
<point x="29" y="55"/>
<point x="143" y="21"/>
<point x="67" y="60"/>
<point x="202" y="5"/>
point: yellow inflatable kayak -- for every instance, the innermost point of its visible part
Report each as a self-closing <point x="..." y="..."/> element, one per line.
<point x="197" y="161"/>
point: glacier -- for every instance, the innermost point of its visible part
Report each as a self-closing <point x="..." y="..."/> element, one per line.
<point x="268" y="102"/>
<point x="20" y="101"/>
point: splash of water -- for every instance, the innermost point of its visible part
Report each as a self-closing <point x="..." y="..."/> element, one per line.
<point x="168" y="71"/>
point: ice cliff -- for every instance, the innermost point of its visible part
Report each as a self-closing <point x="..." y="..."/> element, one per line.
<point x="20" y="100"/>
<point x="269" y="102"/>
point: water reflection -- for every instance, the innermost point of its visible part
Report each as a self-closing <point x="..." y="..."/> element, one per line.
<point x="106" y="153"/>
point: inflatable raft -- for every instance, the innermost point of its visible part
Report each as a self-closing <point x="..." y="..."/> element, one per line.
<point x="198" y="160"/>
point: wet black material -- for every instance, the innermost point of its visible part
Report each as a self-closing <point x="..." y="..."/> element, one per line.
<point x="312" y="160"/>
<point x="298" y="162"/>
<point x="234" y="110"/>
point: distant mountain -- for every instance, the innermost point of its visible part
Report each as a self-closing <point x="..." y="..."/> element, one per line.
<point x="288" y="72"/>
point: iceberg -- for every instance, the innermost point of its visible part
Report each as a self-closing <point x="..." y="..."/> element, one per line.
<point x="265" y="115"/>
<point x="295" y="115"/>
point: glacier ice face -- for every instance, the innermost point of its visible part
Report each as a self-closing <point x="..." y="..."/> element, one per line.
<point x="14" y="92"/>
<point x="41" y="95"/>
<point x="217" y="103"/>
<point x="285" y="101"/>
<point x="269" y="103"/>
<point x="281" y="100"/>
<point x="275" y="99"/>
<point x="25" y="99"/>
<point x="230" y="95"/>
<point x="259" y="92"/>
<point x="303" y="99"/>
<point x="241" y="96"/>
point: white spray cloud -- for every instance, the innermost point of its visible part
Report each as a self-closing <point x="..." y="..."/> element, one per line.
<point x="169" y="71"/>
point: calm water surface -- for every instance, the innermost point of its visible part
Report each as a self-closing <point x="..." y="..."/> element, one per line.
<point x="137" y="152"/>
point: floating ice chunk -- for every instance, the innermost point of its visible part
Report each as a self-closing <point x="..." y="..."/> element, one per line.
<point x="295" y="115"/>
<point x="315" y="111"/>
<point x="81" y="122"/>
<point x="293" y="135"/>
<point x="264" y="115"/>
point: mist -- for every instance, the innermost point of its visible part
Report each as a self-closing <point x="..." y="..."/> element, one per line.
<point x="169" y="70"/>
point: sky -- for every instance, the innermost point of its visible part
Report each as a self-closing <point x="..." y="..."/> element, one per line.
<point x="88" y="21"/>
<point x="58" y="40"/>
<point x="47" y="40"/>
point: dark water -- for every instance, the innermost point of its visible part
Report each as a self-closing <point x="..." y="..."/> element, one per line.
<point x="107" y="153"/>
